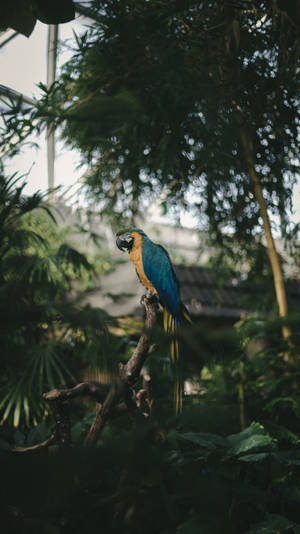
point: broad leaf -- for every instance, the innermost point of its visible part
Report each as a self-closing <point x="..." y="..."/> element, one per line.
<point x="252" y="438"/>
<point x="275" y="524"/>
<point x="204" y="440"/>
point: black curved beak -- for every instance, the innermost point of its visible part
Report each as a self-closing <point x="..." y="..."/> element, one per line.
<point x="124" y="242"/>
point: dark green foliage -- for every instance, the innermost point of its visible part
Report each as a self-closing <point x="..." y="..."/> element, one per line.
<point x="45" y="338"/>
<point x="156" y="479"/>
<point x="261" y="377"/>
<point x="271" y="379"/>
<point x="248" y="270"/>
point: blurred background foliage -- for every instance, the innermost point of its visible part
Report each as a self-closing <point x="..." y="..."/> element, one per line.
<point x="46" y="338"/>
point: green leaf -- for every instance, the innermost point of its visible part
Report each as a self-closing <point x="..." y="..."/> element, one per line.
<point x="203" y="439"/>
<point x="290" y="458"/>
<point x="259" y="457"/>
<point x="17" y="411"/>
<point x="38" y="433"/>
<point x="77" y="431"/>
<point x="72" y="257"/>
<point x="11" y="398"/>
<point x="275" y="524"/>
<point x="291" y="402"/>
<point x="282" y="433"/>
<point x="26" y="410"/>
<point x="252" y="438"/>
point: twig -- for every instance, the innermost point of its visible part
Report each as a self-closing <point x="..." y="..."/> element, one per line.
<point x="144" y="395"/>
<point x="52" y="439"/>
<point x="84" y="388"/>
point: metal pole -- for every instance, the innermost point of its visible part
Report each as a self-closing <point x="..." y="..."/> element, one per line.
<point x="51" y="71"/>
<point x="10" y="38"/>
<point x="15" y="95"/>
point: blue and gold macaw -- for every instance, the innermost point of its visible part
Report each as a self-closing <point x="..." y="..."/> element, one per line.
<point x="156" y="272"/>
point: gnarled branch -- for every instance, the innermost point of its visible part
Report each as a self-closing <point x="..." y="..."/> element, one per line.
<point x="128" y="374"/>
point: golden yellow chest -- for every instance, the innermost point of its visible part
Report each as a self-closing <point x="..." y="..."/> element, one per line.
<point x="136" y="258"/>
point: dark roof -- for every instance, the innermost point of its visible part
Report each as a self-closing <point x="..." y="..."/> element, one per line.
<point x="202" y="292"/>
<point x="204" y="295"/>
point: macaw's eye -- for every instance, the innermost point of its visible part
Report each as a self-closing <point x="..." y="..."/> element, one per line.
<point x="124" y="242"/>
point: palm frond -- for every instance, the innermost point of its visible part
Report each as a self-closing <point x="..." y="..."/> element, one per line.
<point x="44" y="206"/>
<point x="70" y="256"/>
<point x="32" y="202"/>
<point x="46" y="369"/>
<point x="41" y="329"/>
<point x="39" y="271"/>
<point x="22" y="238"/>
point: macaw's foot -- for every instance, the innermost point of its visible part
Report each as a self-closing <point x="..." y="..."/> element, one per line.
<point x="152" y="297"/>
<point x="143" y="297"/>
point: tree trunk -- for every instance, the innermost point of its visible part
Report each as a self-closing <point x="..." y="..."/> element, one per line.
<point x="271" y="248"/>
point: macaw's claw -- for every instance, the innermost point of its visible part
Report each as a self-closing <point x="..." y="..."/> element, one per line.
<point x="152" y="297"/>
<point x="143" y="297"/>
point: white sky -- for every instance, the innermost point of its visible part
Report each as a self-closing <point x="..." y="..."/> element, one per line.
<point x="22" y="66"/>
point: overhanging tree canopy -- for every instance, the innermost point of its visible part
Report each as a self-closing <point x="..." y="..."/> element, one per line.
<point x="155" y="90"/>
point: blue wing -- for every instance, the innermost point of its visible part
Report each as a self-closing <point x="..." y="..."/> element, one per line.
<point x="159" y="270"/>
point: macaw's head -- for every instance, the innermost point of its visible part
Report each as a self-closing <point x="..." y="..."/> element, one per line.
<point x="125" y="238"/>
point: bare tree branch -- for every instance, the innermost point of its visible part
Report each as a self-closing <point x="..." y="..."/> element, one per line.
<point x="129" y="373"/>
<point x="84" y="388"/>
<point x="43" y="445"/>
